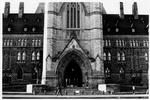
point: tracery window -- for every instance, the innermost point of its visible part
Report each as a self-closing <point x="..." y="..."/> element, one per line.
<point x="104" y="56"/>
<point x="109" y="56"/>
<point x="38" y="56"/>
<point x="107" y="72"/>
<point x="19" y="56"/>
<point x="23" y="56"/>
<point x="146" y="56"/>
<point x="33" y="56"/>
<point x="73" y="15"/>
<point x="118" y="56"/>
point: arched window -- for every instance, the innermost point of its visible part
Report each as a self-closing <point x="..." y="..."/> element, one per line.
<point x="39" y="42"/>
<point x="137" y="43"/>
<point x="33" y="56"/>
<point x="19" y="73"/>
<point x="122" y="73"/>
<point x="123" y="43"/>
<point x="123" y="56"/>
<point x="109" y="56"/>
<point x="107" y="72"/>
<point x="11" y="42"/>
<point x="19" y="56"/>
<point x="116" y="42"/>
<point x="130" y="43"/>
<point x="4" y="43"/>
<point x="106" y="43"/>
<point x="146" y="56"/>
<point x="133" y="43"/>
<point x="23" y="56"/>
<point x="119" y="42"/>
<point x="25" y="42"/>
<point x="38" y="56"/>
<point x="73" y="15"/>
<point x="22" y="42"/>
<point x="36" y="42"/>
<point x="118" y="56"/>
<point x="109" y="43"/>
<point x="7" y="42"/>
<point x="33" y="42"/>
<point x="104" y="56"/>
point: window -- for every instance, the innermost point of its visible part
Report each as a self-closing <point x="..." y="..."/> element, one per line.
<point x="119" y="42"/>
<point x="123" y="43"/>
<point x="11" y="42"/>
<point x="109" y="56"/>
<point x="106" y="43"/>
<point x="117" y="29"/>
<point x="4" y="43"/>
<point x="107" y="72"/>
<point x="23" y="56"/>
<point x="116" y="42"/>
<point x="122" y="73"/>
<point x="123" y="56"/>
<point x="133" y="43"/>
<point x="7" y="42"/>
<point x="25" y="29"/>
<point x="19" y="42"/>
<point x="33" y="42"/>
<point x="38" y="56"/>
<point x="146" y="56"/>
<point x="109" y="43"/>
<point x="22" y="42"/>
<point x="9" y="29"/>
<point x="104" y="56"/>
<point x="36" y="42"/>
<point x="108" y="29"/>
<point x="39" y="42"/>
<point x="133" y="30"/>
<point x="73" y="15"/>
<point x="33" y="56"/>
<point x="19" y="56"/>
<point x="118" y="56"/>
<point x="25" y="42"/>
<point x="130" y="43"/>
<point x="137" y="44"/>
<point x="33" y="29"/>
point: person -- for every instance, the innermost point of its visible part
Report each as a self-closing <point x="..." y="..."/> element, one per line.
<point x="133" y="88"/>
<point x="58" y="89"/>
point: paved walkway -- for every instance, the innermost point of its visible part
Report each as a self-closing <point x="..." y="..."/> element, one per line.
<point x="134" y="96"/>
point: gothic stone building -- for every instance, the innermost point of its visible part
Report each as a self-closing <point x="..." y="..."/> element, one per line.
<point x="85" y="45"/>
<point x="22" y="45"/>
<point x="82" y="45"/>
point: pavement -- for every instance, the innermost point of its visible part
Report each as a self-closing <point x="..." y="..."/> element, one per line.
<point x="24" y="95"/>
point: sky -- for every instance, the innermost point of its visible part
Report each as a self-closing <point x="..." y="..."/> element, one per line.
<point x="111" y="6"/>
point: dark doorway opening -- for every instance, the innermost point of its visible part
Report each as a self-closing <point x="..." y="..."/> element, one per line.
<point x="72" y="75"/>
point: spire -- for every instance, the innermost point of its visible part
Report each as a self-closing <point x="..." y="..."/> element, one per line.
<point x="7" y="9"/>
<point x="21" y="9"/>
<point x="121" y="10"/>
<point x="135" y="10"/>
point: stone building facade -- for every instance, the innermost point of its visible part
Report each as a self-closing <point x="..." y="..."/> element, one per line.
<point x="22" y="46"/>
<point x="81" y="46"/>
<point x="74" y="35"/>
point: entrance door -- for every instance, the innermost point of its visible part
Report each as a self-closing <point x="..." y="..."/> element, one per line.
<point x="72" y="75"/>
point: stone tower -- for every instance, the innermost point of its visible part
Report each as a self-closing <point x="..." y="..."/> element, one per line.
<point x="74" y="50"/>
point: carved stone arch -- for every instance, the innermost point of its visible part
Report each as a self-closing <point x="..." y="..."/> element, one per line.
<point x="79" y="58"/>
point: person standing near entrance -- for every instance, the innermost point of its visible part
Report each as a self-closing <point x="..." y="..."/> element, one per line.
<point x="59" y="89"/>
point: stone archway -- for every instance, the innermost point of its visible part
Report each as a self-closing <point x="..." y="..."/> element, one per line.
<point x="73" y="60"/>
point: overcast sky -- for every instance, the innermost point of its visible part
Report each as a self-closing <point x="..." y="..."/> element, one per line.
<point x="111" y="6"/>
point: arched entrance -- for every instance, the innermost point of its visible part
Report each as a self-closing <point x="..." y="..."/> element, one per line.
<point x="73" y="69"/>
<point x="72" y="75"/>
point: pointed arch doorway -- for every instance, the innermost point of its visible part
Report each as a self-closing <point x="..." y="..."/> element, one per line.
<point x="72" y="75"/>
<point x="73" y="69"/>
